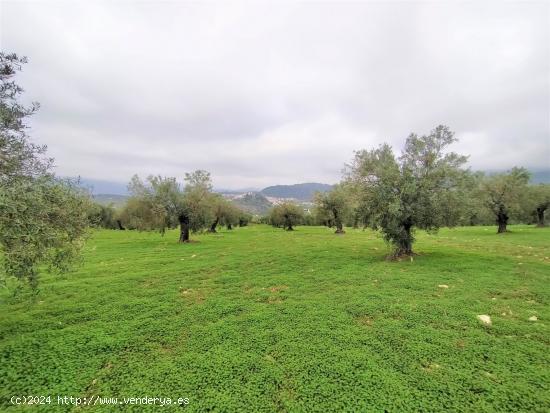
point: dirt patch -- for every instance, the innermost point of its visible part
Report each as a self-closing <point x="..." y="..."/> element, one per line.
<point x="191" y="295"/>
<point x="365" y="320"/>
<point x="277" y="288"/>
<point x="430" y="367"/>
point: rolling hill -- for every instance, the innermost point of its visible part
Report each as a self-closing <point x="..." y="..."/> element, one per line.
<point x="301" y="192"/>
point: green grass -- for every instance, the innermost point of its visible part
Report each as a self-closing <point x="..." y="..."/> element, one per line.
<point x="258" y="319"/>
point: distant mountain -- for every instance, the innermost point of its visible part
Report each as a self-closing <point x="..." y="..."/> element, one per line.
<point x="253" y="202"/>
<point x="301" y="192"/>
<point x="235" y="191"/>
<point x="541" y="176"/>
<point x="98" y="186"/>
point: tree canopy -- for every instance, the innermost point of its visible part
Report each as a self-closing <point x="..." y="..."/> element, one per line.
<point x="333" y="207"/>
<point x="502" y="194"/>
<point x="537" y="202"/>
<point x="419" y="189"/>
<point x="43" y="219"/>
<point x="224" y="212"/>
<point x="161" y="203"/>
<point x="286" y="215"/>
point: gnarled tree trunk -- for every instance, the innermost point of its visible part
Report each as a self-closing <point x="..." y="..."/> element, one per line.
<point x="338" y="222"/>
<point x="214" y="225"/>
<point x="184" y="228"/>
<point x="502" y="221"/>
<point x="288" y="224"/>
<point x="405" y="241"/>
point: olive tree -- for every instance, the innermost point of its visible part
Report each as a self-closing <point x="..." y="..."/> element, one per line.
<point x="103" y="216"/>
<point x="321" y="216"/>
<point x="152" y="203"/>
<point x="43" y="219"/>
<point x="195" y="214"/>
<point x="218" y="205"/>
<point x="244" y="218"/>
<point x="333" y="206"/>
<point x="286" y="215"/>
<point x="223" y="212"/>
<point x="540" y="198"/>
<point x="538" y="202"/>
<point x="231" y="216"/>
<point x="136" y="214"/>
<point x="161" y="203"/>
<point x="414" y="190"/>
<point x="474" y="211"/>
<point x="503" y="194"/>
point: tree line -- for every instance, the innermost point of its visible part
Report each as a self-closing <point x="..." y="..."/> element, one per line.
<point x="45" y="220"/>
<point x="425" y="187"/>
<point x="161" y="203"/>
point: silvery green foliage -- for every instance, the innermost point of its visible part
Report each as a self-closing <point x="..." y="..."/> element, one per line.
<point x="537" y="202"/>
<point x="196" y="199"/>
<point x="286" y="215"/>
<point x="503" y="195"/>
<point x="161" y="202"/>
<point x="103" y="216"/>
<point x="223" y="212"/>
<point x="333" y="207"/>
<point x="43" y="219"/>
<point x="423" y="188"/>
<point x="18" y="156"/>
<point x="154" y="203"/>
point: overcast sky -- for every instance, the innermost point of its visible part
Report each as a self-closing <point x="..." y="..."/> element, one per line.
<point x="268" y="93"/>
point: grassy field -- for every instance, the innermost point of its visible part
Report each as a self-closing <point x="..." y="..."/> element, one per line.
<point x="258" y="319"/>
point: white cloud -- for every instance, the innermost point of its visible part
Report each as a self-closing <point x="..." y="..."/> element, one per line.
<point x="271" y="93"/>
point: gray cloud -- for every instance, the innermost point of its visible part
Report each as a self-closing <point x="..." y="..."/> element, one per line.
<point x="279" y="93"/>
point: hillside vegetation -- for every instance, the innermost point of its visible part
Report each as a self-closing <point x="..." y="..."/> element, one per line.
<point x="260" y="319"/>
<point x="301" y="192"/>
<point x="253" y="202"/>
<point x="116" y="201"/>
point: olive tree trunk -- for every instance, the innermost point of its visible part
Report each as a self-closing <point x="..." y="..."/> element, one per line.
<point x="184" y="228"/>
<point x="338" y="222"/>
<point x="214" y="225"/>
<point x="288" y="224"/>
<point x="502" y="221"/>
<point x="405" y="241"/>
